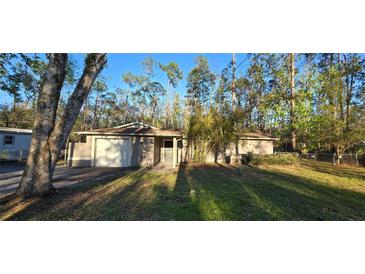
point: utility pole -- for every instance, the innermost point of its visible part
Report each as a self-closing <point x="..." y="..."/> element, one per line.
<point x="233" y="81"/>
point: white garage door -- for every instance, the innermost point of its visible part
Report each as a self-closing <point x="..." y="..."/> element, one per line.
<point x="113" y="152"/>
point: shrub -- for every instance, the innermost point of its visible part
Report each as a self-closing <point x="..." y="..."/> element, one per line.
<point x="279" y="159"/>
<point x="247" y="158"/>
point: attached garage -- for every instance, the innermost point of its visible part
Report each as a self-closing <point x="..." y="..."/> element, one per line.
<point x="137" y="144"/>
<point x="112" y="152"/>
<point x="130" y="145"/>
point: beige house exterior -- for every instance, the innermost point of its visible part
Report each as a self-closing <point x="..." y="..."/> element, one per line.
<point x="129" y="145"/>
<point x="137" y="144"/>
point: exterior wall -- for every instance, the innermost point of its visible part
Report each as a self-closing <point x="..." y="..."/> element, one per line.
<point x="136" y="151"/>
<point x="79" y="154"/>
<point x="157" y="150"/>
<point x="179" y="154"/>
<point x="252" y="146"/>
<point x="220" y="155"/>
<point x="147" y="152"/>
<point x="20" y="148"/>
<point x="236" y="150"/>
<point x="21" y="141"/>
<point x="174" y="153"/>
<point x="142" y="151"/>
<point x="184" y="151"/>
<point x="256" y="146"/>
<point x="180" y="151"/>
<point x="187" y="154"/>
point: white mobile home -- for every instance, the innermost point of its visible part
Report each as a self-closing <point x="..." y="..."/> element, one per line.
<point x="14" y="143"/>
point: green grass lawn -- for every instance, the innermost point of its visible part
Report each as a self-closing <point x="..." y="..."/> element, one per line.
<point x="308" y="191"/>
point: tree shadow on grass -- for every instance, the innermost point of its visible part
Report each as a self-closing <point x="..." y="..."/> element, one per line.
<point x="341" y="171"/>
<point x="195" y="192"/>
<point x="67" y="203"/>
<point x="158" y="196"/>
<point x="306" y="199"/>
<point x="136" y="195"/>
<point x="226" y="193"/>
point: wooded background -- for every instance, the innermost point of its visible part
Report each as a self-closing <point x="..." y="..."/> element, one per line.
<point x="312" y="102"/>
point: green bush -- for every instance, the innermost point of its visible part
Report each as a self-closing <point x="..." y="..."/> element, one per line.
<point x="274" y="159"/>
<point x="247" y="158"/>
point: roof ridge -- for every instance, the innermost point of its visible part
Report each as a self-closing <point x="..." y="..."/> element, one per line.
<point x="135" y="123"/>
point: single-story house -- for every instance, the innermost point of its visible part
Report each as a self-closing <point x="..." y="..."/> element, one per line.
<point x="14" y="143"/>
<point x="138" y="144"/>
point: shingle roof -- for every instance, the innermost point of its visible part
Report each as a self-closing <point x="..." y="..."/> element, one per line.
<point x="134" y="124"/>
<point x="140" y="131"/>
<point x="256" y="134"/>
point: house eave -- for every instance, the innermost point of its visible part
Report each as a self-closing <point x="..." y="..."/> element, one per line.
<point x="100" y="133"/>
<point x="259" y="138"/>
<point x="125" y="134"/>
<point x="254" y="138"/>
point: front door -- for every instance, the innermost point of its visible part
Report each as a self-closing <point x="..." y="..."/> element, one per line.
<point x="167" y="151"/>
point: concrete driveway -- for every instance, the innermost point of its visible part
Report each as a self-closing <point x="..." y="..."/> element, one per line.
<point x="10" y="176"/>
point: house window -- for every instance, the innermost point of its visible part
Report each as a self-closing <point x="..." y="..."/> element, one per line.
<point x="9" y="140"/>
<point x="168" y="144"/>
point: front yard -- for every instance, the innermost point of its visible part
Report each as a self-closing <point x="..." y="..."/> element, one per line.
<point x="309" y="191"/>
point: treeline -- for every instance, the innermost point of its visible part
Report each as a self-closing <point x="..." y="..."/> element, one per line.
<point x="312" y="102"/>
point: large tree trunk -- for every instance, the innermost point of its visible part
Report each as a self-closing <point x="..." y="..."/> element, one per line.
<point x="48" y="138"/>
<point x="93" y="66"/>
<point x="37" y="176"/>
<point x="293" y="137"/>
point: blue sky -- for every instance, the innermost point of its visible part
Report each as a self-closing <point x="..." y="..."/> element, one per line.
<point x="120" y="63"/>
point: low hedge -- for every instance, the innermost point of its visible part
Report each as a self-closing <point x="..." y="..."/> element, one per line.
<point x="274" y="159"/>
